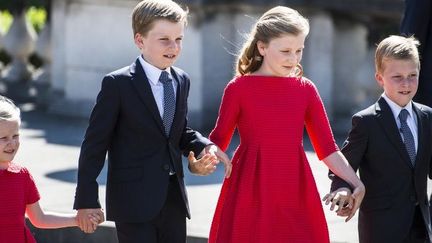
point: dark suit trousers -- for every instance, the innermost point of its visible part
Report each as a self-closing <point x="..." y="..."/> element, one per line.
<point x="169" y="226"/>
<point x="418" y="233"/>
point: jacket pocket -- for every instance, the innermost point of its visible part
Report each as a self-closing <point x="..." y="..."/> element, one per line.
<point x="376" y="203"/>
<point x="126" y="174"/>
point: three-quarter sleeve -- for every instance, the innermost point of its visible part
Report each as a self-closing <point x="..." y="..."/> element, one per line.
<point x="228" y="116"/>
<point x="317" y="124"/>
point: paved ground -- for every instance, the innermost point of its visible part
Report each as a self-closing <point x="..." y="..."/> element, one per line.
<point x="50" y="149"/>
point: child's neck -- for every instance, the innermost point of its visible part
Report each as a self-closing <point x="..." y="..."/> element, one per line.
<point x="4" y="165"/>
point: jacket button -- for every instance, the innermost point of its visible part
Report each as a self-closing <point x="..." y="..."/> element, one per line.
<point x="166" y="167"/>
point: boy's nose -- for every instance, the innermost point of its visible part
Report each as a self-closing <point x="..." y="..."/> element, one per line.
<point x="174" y="45"/>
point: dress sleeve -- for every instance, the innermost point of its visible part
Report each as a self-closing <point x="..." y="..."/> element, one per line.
<point x="317" y="124"/>
<point x="229" y="111"/>
<point x="32" y="193"/>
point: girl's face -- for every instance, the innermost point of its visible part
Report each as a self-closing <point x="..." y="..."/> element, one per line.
<point x="399" y="80"/>
<point x="9" y="140"/>
<point x="281" y="55"/>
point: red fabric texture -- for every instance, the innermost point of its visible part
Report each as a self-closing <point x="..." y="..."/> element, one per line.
<point x="271" y="195"/>
<point x="17" y="189"/>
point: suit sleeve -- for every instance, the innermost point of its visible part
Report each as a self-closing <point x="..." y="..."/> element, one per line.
<point x="353" y="149"/>
<point x="191" y="140"/>
<point x="95" y="145"/>
<point x="430" y="130"/>
<point x="415" y="20"/>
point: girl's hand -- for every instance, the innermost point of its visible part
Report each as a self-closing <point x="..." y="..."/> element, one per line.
<point x="357" y="196"/>
<point x="221" y="156"/>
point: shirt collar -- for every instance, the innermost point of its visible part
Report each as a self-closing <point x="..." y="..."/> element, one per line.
<point x="396" y="109"/>
<point x="153" y="73"/>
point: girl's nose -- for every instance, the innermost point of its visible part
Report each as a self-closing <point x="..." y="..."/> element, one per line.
<point x="13" y="142"/>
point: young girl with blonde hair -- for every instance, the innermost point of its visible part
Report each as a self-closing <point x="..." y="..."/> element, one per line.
<point x="271" y="195"/>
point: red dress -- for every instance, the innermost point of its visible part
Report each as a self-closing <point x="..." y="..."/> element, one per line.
<point x="17" y="190"/>
<point x="271" y="195"/>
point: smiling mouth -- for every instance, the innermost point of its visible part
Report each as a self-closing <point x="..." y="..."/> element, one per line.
<point x="404" y="92"/>
<point x="170" y="56"/>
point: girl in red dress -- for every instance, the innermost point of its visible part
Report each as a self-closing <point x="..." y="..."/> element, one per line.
<point x="271" y="195"/>
<point x="19" y="195"/>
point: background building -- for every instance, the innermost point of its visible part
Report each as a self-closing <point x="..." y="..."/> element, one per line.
<point x="85" y="39"/>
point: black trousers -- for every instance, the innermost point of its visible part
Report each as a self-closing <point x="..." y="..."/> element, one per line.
<point x="418" y="233"/>
<point x="169" y="226"/>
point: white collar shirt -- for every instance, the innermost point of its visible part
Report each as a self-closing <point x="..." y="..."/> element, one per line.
<point x="153" y="73"/>
<point x="411" y="119"/>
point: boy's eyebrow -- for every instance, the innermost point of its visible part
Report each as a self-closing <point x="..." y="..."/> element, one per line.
<point x="167" y="34"/>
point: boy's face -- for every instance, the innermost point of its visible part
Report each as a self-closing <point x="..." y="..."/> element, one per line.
<point x="161" y="46"/>
<point x="9" y="140"/>
<point x="399" y="80"/>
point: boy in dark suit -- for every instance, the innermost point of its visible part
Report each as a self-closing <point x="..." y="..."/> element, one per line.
<point x="390" y="143"/>
<point x="140" y="120"/>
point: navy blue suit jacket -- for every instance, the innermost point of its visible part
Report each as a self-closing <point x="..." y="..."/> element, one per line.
<point x="125" y="124"/>
<point x="393" y="185"/>
<point x="417" y="21"/>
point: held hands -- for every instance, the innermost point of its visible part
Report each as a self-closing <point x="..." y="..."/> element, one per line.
<point x="207" y="164"/>
<point x="347" y="203"/>
<point x="88" y="219"/>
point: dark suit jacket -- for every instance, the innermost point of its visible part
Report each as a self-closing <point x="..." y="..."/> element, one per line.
<point x="393" y="186"/>
<point x="125" y="122"/>
<point x="417" y="21"/>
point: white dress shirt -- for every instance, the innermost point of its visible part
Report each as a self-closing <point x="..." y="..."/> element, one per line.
<point x="411" y="119"/>
<point x="153" y="73"/>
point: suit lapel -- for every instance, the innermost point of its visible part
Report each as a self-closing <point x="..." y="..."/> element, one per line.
<point x="142" y="86"/>
<point x="422" y="123"/>
<point x="388" y="123"/>
<point x="179" y="98"/>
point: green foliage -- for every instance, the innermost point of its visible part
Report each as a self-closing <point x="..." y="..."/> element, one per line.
<point x="5" y="21"/>
<point x="36" y="16"/>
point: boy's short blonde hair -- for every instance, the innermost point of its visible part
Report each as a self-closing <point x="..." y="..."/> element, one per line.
<point x="396" y="47"/>
<point x="147" y="11"/>
<point x="8" y="110"/>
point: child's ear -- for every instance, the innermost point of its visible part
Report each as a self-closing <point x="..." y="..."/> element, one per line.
<point x="261" y="47"/>
<point x="379" y="79"/>
<point x="138" y="40"/>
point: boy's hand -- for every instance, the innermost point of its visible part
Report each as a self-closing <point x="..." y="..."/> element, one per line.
<point x="215" y="150"/>
<point x="83" y="219"/>
<point x="341" y="197"/>
<point x="96" y="218"/>
<point x="203" y="166"/>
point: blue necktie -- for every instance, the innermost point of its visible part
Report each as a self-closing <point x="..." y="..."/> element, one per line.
<point x="169" y="101"/>
<point x="407" y="135"/>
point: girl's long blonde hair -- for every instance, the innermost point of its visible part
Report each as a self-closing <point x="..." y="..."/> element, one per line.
<point x="274" y="23"/>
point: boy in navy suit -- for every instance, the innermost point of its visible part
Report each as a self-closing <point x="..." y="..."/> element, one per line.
<point x="390" y="143"/>
<point x="139" y="120"/>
